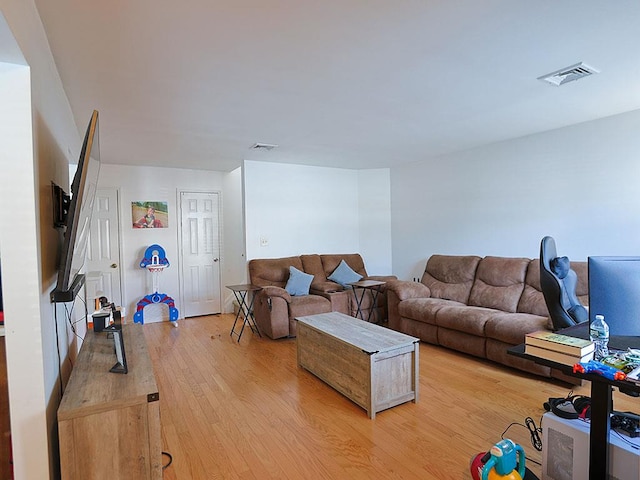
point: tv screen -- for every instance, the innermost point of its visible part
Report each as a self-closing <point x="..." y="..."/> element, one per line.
<point x="614" y="291"/>
<point x="83" y="191"/>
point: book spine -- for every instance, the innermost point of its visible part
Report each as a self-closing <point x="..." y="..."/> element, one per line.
<point x="558" y="347"/>
<point x="556" y="356"/>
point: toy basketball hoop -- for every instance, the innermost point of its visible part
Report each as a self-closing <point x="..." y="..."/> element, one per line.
<point x="155" y="261"/>
<point x="156" y="267"/>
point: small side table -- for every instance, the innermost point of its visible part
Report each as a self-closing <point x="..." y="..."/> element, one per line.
<point x="245" y="307"/>
<point x="364" y="285"/>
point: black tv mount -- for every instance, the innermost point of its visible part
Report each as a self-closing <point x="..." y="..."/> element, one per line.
<point x="61" y="202"/>
<point x="64" y="296"/>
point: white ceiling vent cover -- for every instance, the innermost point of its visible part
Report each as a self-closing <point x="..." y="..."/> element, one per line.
<point x="569" y="74"/>
<point x="264" y="146"/>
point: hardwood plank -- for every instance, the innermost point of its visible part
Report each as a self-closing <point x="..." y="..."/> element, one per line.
<point x="246" y="410"/>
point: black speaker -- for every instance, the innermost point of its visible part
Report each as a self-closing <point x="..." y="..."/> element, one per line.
<point x="100" y="320"/>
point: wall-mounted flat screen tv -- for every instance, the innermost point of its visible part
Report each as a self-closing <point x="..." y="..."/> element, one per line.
<point x="78" y="221"/>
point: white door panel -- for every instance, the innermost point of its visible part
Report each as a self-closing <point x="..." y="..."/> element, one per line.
<point x="200" y="235"/>
<point x="103" y="252"/>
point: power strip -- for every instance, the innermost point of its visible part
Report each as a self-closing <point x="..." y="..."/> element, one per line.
<point x="626" y="423"/>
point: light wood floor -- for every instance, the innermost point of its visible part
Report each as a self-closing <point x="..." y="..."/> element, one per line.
<point x="246" y="411"/>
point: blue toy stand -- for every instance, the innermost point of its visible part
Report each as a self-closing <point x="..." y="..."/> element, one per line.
<point x="155" y="261"/>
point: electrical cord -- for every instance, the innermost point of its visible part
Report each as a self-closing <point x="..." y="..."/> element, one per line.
<point x="69" y="315"/>
<point x="534" y="432"/>
<point x="167" y="454"/>
<point x="625" y="440"/>
<point x="55" y="321"/>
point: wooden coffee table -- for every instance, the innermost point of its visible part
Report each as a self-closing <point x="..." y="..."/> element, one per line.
<point x="375" y="367"/>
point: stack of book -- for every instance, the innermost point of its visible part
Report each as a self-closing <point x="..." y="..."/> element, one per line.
<point x="558" y="348"/>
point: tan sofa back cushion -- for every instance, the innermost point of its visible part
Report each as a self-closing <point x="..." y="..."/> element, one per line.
<point x="331" y="261"/>
<point x="274" y="272"/>
<point x="532" y="299"/>
<point x="582" y="288"/>
<point x="450" y="276"/>
<point x="499" y="283"/>
<point x="312" y="264"/>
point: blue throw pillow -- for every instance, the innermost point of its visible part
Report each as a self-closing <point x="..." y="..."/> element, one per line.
<point x="343" y="274"/>
<point x="298" y="283"/>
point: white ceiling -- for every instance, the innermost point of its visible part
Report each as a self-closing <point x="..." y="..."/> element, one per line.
<point x="341" y="83"/>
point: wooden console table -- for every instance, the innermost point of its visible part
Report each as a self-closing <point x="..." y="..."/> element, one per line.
<point x="109" y="423"/>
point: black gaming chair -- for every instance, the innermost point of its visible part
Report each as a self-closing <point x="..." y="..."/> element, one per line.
<point x="558" y="283"/>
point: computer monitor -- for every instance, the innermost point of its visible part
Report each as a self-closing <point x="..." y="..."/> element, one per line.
<point x="614" y="291"/>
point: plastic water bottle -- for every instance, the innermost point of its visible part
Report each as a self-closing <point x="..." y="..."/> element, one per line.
<point x="599" y="335"/>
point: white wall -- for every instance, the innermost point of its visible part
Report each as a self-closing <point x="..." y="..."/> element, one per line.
<point x="39" y="136"/>
<point x="374" y="199"/>
<point x="234" y="262"/>
<point x="578" y="184"/>
<point x="301" y="209"/>
<point x="161" y="184"/>
<point x="20" y="268"/>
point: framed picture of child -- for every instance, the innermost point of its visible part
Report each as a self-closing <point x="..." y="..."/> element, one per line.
<point x="150" y="214"/>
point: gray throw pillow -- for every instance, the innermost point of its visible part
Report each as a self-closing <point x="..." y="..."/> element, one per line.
<point x="344" y="274"/>
<point x="298" y="283"/>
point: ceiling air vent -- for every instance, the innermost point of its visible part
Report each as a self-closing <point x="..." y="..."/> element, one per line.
<point x="263" y="146"/>
<point x="568" y="74"/>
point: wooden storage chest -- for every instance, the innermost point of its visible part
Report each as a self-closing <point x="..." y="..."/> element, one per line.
<point x="375" y="367"/>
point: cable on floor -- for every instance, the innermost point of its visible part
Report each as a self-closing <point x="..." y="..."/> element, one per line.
<point x="534" y="433"/>
<point x="167" y="454"/>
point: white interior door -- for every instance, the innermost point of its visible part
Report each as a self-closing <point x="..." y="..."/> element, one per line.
<point x="200" y="253"/>
<point x="103" y="253"/>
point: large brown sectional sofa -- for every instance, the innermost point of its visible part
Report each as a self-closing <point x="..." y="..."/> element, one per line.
<point x="479" y="306"/>
<point x="275" y="309"/>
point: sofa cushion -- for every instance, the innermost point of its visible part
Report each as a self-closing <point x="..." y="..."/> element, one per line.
<point x="298" y="283"/>
<point x="499" y="283"/>
<point x="532" y="299"/>
<point x="331" y="261"/>
<point x="511" y="327"/>
<point x="582" y="288"/>
<point x="450" y="276"/>
<point x="470" y="320"/>
<point x="308" y="305"/>
<point x="312" y="264"/>
<point x="344" y="274"/>
<point x="272" y="271"/>
<point x="325" y="287"/>
<point x="424" y="309"/>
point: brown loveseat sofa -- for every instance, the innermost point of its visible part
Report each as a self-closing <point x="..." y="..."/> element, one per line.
<point x="479" y="306"/>
<point x="275" y="309"/>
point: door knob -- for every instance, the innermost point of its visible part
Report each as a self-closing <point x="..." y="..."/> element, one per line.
<point x="114" y="265"/>
<point x="216" y="259"/>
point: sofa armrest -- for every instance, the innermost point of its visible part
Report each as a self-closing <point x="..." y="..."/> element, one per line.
<point x="404" y="289"/>
<point x="382" y="278"/>
<point x="320" y="288"/>
<point x="272" y="291"/>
